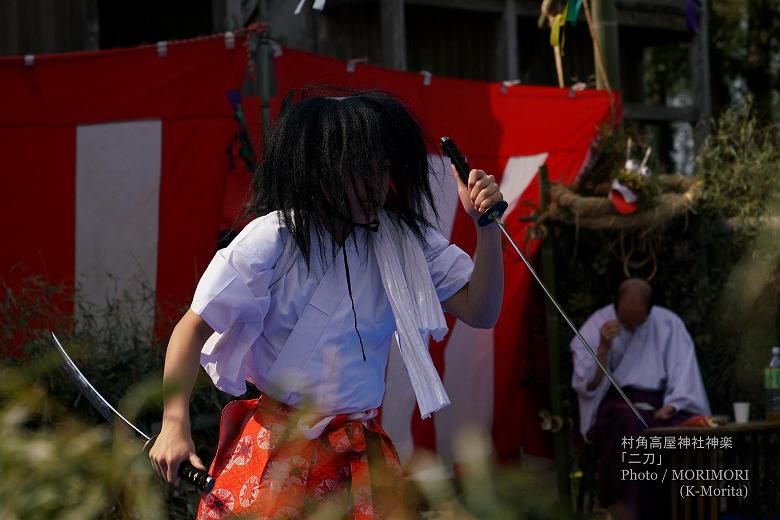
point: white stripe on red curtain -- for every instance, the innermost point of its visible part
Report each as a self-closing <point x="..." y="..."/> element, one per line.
<point x="118" y="168"/>
<point x="468" y="379"/>
<point x="518" y="174"/>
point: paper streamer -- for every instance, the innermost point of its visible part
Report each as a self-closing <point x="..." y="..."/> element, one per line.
<point x="573" y="7"/>
<point x="557" y="36"/>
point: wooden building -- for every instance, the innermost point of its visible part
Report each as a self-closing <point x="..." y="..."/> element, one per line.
<point x="476" y="39"/>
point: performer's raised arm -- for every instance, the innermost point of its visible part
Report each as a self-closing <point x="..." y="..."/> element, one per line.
<point x="479" y="302"/>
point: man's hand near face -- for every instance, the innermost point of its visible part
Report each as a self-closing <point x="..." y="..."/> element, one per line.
<point x="607" y="334"/>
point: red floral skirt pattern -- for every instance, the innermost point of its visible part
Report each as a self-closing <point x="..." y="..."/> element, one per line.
<point x="264" y="468"/>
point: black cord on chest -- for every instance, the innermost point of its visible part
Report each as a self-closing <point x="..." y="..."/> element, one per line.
<point x="372" y="226"/>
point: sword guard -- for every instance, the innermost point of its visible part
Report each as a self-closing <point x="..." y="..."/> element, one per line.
<point x="148" y="443"/>
<point x="199" y="478"/>
<point x="495" y="211"/>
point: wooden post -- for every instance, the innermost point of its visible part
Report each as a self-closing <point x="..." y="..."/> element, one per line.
<point x="700" y="69"/>
<point x="561" y="437"/>
<point x="605" y="24"/>
<point x="92" y="33"/>
<point x="393" y="26"/>
<point x="264" y="59"/>
<point x="508" y="40"/>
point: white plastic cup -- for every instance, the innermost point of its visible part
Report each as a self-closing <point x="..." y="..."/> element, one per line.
<point x="741" y="412"/>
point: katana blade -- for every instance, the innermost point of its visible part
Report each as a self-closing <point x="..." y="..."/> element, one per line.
<point x="108" y="412"/>
<point x="493" y="214"/>
<point x="197" y="477"/>
<point x="497" y="219"/>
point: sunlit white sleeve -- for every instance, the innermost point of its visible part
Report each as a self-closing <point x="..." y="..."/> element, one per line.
<point x="584" y="368"/>
<point x="684" y="386"/>
<point x="233" y="298"/>
<point x="449" y="265"/>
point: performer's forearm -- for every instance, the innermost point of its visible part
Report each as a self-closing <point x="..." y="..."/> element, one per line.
<point x="486" y="286"/>
<point x="181" y="366"/>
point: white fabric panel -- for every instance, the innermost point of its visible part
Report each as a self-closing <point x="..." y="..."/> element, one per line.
<point x="469" y="381"/>
<point x="445" y="193"/>
<point x="398" y="406"/>
<point x="118" y="168"/>
<point x="399" y="402"/>
<point x="518" y="174"/>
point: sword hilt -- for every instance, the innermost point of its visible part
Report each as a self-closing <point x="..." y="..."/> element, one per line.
<point x="495" y="211"/>
<point x="199" y="478"/>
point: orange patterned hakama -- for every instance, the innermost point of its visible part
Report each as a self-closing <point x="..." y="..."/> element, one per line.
<point x="266" y="469"/>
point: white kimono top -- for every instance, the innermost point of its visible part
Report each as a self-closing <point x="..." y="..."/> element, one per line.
<point x="658" y="355"/>
<point x="291" y="332"/>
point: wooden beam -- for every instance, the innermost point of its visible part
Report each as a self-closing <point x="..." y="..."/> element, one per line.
<point x="483" y="6"/>
<point x="393" y="27"/>
<point x="652" y="20"/>
<point x="660" y="113"/>
<point x="675" y="6"/>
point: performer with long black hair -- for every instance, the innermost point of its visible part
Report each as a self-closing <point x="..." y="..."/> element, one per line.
<point x="304" y="304"/>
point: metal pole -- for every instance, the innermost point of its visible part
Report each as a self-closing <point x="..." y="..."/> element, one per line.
<point x="605" y="24"/>
<point x="560" y="438"/>
<point x="264" y="59"/>
<point x="510" y="36"/>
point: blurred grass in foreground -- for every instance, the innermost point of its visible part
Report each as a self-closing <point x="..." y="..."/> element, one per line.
<point x="59" y="459"/>
<point x="54" y="466"/>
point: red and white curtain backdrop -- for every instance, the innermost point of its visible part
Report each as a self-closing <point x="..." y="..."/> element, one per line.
<point x="118" y="169"/>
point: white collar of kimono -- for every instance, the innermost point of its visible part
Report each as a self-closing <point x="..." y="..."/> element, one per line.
<point x="415" y="306"/>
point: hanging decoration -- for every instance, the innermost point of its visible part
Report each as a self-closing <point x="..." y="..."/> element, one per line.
<point x="631" y="183"/>
<point x="556" y="16"/>
<point x="692" y="14"/>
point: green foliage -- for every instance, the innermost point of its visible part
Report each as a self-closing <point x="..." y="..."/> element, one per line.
<point x="70" y="466"/>
<point x="744" y="50"/>
<point x="118" y="354"/>
<point x="739" y="164"/>
<point x="56" y="467"/>
<point x="716" y="267"/>
<point x="487" y="491"/>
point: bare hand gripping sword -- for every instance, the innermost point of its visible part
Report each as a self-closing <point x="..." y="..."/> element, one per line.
<point x="200" y="479"/>
<point x="493" y="214"/>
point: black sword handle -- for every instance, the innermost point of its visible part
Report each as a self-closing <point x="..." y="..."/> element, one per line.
<point x="451" y="150"/>
<point x="197" y="477"/>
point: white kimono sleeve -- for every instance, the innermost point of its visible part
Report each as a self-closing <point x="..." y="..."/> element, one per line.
<point x="233" y="298"/>
<point x="684" y="386"/>
<point x="449" y="265"/>
<point x="585" y="369"/>
<point x="583" y="365"/>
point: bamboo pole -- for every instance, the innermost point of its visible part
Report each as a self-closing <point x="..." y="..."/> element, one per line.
<point x="560" y="437"/>
<point x="264" y="59"/>
<point x="602" y="78"/>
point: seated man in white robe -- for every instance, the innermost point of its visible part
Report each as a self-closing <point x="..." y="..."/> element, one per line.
<point x="652" y="357"/>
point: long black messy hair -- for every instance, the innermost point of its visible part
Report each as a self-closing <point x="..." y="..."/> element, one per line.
<point x="322" y="144"/>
